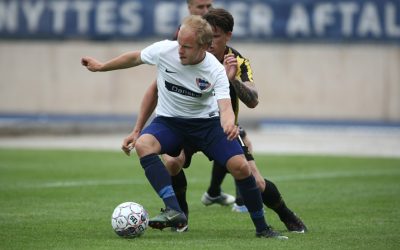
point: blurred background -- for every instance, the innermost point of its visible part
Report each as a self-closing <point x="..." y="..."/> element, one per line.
<point x="327" y="71"/>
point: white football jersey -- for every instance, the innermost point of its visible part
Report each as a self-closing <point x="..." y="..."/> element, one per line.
<point x="187" y="91"/>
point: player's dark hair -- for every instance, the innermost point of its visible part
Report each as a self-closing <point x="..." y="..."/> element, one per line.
<point x="220" y="18"/>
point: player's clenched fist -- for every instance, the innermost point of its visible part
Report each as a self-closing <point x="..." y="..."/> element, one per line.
<point x="91" y="64"/>
<point x="129" y="142"/>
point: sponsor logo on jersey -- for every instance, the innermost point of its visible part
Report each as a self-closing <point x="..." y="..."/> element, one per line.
<point x="181" y="90"/>
<point x="202" y="84"/>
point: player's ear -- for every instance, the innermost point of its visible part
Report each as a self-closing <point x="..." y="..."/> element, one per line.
<point x="206" y="46"/>
<point x="228" y="36"/>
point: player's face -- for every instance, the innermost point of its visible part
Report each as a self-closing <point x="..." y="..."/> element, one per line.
<point x="190" y="52"/>
<point x="199" y="7"/>
<point x="219" y="41"/>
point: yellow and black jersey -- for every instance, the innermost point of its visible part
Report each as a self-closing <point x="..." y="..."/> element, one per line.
<point x="244" y="73"/>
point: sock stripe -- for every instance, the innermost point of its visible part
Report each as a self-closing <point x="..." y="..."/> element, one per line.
<point x="166" y="192"/>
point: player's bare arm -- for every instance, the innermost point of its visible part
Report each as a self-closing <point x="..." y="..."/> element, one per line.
<point x="147" y="106"/>
<point x="246" y="91"/>
<point x="228" y="118"/>
<point x="126" y="60"/>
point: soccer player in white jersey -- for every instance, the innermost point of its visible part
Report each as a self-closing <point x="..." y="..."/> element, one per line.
<point x="187" y="80"/>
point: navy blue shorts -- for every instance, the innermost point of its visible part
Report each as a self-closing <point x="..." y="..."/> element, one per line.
<point x="199" y="134"/>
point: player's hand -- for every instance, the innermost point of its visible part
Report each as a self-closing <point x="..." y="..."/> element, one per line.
<point x="91" y="64"/>
<point x="232" y="131"/>
<point x="129" y="142"/>
<point x="230" y="64"/>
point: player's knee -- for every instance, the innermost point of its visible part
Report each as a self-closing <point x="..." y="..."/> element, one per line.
<point x="260" y="184"/>
<point x="146" y="145"/>
<point x="173" y="165"/>
<point x="239" y="167"/>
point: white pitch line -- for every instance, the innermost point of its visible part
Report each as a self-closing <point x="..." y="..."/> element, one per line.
<point x="312" y="176"/>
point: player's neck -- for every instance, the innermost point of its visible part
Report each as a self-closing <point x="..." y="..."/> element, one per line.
<point x="222" y="55"/>
<point x="200" y="59"/>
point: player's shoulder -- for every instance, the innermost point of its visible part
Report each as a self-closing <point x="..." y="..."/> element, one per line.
<point x="236" y="53"/>
<point x="212" y="61"/>
<point x="165" y="47"/>
<point x="167" y="43"/>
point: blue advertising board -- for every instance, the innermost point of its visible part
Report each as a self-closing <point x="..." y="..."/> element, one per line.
<point x="255" y="20"/>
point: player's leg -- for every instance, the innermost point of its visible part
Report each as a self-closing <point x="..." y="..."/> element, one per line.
<point x="272" y="199"/>
<point x="178" y="178"/>
<point x="174" y="166"/>
<point x="179" y="182"/>
<point x="214" y="194"/>
<point x="270" y="194"/>
<point x="153" y="140"/>
<point x="239" y="206"/>
<point x="230" y="153"/>
<point x="246" y="183"/>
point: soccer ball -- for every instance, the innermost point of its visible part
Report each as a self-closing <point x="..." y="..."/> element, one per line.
<point x="129" y="220"/>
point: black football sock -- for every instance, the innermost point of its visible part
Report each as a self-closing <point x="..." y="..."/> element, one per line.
<point x="272" y="199"/>
<point x="217" y="177"/>
<point x="239" y="199"/>
<point x="253" y="201"/>
<point x="179" y="184"/>
<point x="160" y="180"/>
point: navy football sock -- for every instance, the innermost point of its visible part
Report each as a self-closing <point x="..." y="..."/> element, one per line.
<point x="159" y="178"/>
<point x="239" y="199"/>
<point x="252" y="199"/>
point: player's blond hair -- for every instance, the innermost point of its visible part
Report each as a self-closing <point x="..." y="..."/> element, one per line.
<point x="201" y="28"/>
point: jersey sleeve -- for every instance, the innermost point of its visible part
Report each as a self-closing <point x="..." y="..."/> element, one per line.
<point x="244" y="73"/>
<point x="151" y="54"/>
<point x="221" y="87"/>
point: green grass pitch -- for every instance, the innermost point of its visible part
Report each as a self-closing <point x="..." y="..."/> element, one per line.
<point x="63" y="199"/>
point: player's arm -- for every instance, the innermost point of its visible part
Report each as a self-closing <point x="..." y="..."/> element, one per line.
<point x="126" y="60"/>
<point x="228" y="118"/>
<point x="245" y="90"/>
<point x="147" y="106"/>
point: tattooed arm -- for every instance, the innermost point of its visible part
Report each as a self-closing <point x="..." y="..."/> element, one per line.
<point x="247" y="92"/>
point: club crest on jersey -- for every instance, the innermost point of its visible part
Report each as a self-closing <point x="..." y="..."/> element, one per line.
<point x="202" y="84"/>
